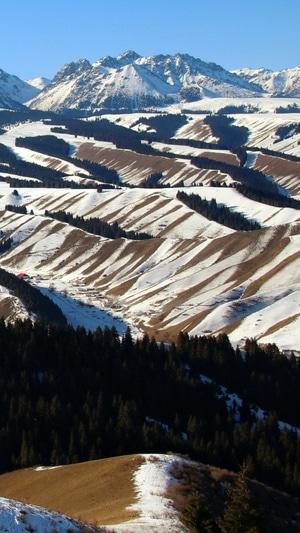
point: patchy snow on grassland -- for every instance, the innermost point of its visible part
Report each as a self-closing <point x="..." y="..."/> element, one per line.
<point x="156" y="512"/>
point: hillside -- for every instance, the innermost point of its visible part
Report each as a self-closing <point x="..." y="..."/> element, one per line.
<point x="194" y="275"/>
<point x="14" y="92"/>
<point x="135" y="492"/>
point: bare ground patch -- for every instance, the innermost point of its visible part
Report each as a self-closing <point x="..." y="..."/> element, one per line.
<point x="197" y="130"/>
<point x="96" y="491"/>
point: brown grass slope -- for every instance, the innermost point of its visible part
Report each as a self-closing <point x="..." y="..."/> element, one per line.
<point x="96" y="491"/>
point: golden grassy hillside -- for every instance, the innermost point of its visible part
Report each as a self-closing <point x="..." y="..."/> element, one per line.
<point x="96" y="491"/>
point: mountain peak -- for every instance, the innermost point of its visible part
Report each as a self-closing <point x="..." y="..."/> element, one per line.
<point x="130" y="56"/>
<point x="157" y="80"/>
<point x="73" y="68"/>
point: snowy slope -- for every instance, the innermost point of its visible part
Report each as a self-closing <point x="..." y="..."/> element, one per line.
<point x="152" y="511"/>
<point x="165" y="284"/>
<point x="194" y="275"/>
<point x="40" y="83"/>
<point x="154" y="508"/>
<point x="17" y="517"/>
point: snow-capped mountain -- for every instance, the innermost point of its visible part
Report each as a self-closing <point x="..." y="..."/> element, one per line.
<point x="39" y="83"/>
<point x="281" y="83"/>
<point x="14" y="92"/>
<point x="130" y="81"/>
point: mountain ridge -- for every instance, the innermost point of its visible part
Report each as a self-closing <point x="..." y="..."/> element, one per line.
<point x="284" y="82"/>
<point x="152" y="81"/>
<point x="130" y="81"/>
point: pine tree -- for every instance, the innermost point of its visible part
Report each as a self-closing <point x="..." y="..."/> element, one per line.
<point x="197" y="515"/>
<point x="241" y="513"/>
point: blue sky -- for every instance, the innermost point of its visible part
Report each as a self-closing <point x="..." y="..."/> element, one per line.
<point x="39" y="36"/>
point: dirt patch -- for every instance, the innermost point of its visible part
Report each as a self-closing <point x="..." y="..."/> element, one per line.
<point x="96" y="491"/>
<point x="198" y="130"/>
<point x="7" y="308"/>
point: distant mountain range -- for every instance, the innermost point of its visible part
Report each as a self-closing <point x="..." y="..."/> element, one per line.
<point x="284" y="83"/>
<point x="130" y="82"/>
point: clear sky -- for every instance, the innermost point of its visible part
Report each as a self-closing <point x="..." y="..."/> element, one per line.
<point x="38" y="37"/>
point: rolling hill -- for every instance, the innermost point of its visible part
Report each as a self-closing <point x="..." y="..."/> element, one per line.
<point x="194" y="274"/>
<point x="127" y="494"/>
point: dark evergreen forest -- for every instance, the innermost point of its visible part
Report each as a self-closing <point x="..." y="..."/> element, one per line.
<point x="70" y="395"/>
<point x="104" y="130"/>
<point x="248" y="176"/>
<point x="270" y="199"/>
<point x="23" y="168"/>
<point x="96" y="226"/>
<point x="227" y="133"/>
<point x="218" y="213"/>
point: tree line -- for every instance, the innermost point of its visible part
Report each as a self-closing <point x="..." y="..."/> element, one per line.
<point x="218" y="213"/>
<point x="228" y="134"/>
<point x="104" y="130"/>
<point x="23" y="168"/>
<point x="248" y="176"/>
<point x="278" y="200"/>
<point x="97" y="226"/>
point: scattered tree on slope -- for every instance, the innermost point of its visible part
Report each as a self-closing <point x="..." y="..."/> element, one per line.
<point x="242" y="514"/>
